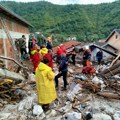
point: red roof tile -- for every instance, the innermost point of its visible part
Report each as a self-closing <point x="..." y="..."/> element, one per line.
<point x="67" y="45"/>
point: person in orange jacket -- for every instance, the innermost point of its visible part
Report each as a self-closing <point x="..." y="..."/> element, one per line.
<point x="88" y="68"/>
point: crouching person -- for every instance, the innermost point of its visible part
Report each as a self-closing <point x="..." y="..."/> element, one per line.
<point x="45" y="84"/>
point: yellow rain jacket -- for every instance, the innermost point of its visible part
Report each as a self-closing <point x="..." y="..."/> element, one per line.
<point x="42" y="52"/>
<point x="45" y="84"/>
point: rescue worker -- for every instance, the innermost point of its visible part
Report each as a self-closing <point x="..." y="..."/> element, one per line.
<point x="73" y="55"/>
<point x="49" y="43"/>
<point x="35" y="57"/>
<point x="22" y="45"/>
<point x="63" y="48"/>
<point x="59" y="53"/>
<point x="49" y="57"/>
<point x="63" y="69"/>
<point x="32" y="42"/>
<point x="99" y="57"/>
<point x="43" y="51"/>
<point x="46" y="91"/>
<point x="86" y="56"/>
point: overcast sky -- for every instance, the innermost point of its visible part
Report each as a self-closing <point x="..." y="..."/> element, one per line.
<point x="63" y="2"/>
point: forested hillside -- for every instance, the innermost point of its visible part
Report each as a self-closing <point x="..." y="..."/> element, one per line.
<point x="86" y="22"/>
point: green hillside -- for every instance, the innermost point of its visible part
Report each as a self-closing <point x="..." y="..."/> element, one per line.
<point x="86" y="22"/>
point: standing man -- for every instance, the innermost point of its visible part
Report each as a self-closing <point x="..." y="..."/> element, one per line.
<point x="73" y="55"/>
<point x="99" y="57"/>
<point x="22" y="45"/>
<point x="32" y="42"/>
<point x="63" y="69"/>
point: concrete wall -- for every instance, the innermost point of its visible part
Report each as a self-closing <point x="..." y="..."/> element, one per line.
<point x="114" y="40"/>
<point x="16" y="30"/>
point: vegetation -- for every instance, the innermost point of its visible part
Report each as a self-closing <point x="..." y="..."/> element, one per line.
<point x="85" y="22"/>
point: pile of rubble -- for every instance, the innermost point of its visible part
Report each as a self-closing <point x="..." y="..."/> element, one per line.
<point x="85" y="99"/>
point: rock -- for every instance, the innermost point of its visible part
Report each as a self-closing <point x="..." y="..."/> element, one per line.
<point x="71" y="96"/>
<point x="29" y="102"/>
<point x="16" y="117"/>
<point x="73" y="116"/>
<point x="75" y="90"/>
<point x="4" y="116"/>
<point x="70" y="71"/>
<point x="31" y="77"/>
<point x="21" y="105"/>
<point x="97" y="81"/>
<point x="56" y="118"/>
<point x="101" y="116"/>
<point x="10" y="108"/>
<point x="41" y="117"/>
<point x="116" y="116"/>
<point x="37" y="110"/>
<point x="65" y="108"/>
<point x="26" y="103"/>
<point x="52" y="113"/>
<point x="72" y="85"/>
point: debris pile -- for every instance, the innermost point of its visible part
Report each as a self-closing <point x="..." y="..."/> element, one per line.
<point x="88" y="97"/>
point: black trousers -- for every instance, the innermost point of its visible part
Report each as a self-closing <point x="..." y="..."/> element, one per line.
<point x="64" y="74"/>
<point x="99" y="61"/>
<point x="23" y="52"/>
<point x="73" y="59"/>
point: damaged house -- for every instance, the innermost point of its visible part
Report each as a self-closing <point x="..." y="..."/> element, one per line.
<point x="11" y="27"/>
<point x="110" y="47"/>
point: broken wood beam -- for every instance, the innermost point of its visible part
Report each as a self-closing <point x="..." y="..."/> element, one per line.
<point x="11" y="75"/>
<point x="114" y="60"/>
<point x="89" y="85"/>
<point x="11" y="59"/>
<point x="109" y="52"/>
<point x="108" y="94"/>
<point x="111" y="68"/>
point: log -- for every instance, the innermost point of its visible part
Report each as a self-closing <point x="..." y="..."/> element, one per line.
<point x="111" y="68"/>
<point x="108" y="94"/>
<point x="113" y="72"/>
<point x="90" y="85"/>
<point x="115" y="60"/>
<point x="6" y="74"/>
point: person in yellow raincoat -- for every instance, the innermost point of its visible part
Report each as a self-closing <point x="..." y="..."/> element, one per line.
<point x="45" y="84"/>
<point x="43" y="51"/>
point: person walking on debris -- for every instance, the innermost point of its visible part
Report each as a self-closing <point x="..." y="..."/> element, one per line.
<point x="99" y="57"/>
<point x="86" y="56"/>
<point x="59" y="53"/>
<point x="35" y="57"/>
<point x="43" y="51"/>
<point x="46" y="91"/>
<point x="49" y="57"/>
<point x="49" y="43"/>
<point x="31" y="42"/>
<point x="63" y="69"/>
<point x="22" y="45"/>
<point x="63" y="48"/>
<point x="73" y="55"/>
